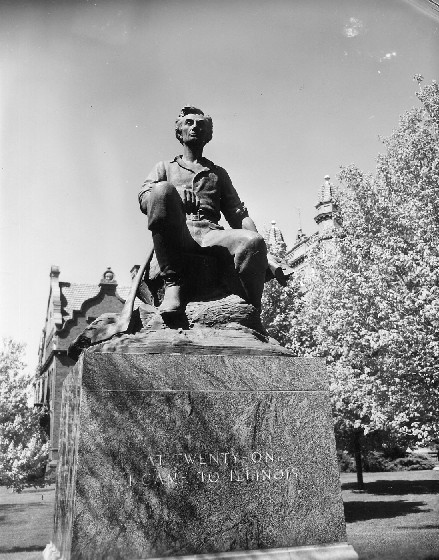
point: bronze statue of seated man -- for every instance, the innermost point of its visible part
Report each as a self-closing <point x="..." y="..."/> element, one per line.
<point x="184" y="199"/>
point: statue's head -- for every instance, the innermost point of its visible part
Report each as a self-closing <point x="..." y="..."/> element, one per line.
<point x="182" y="117"/>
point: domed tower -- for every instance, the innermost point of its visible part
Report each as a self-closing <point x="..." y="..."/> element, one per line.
<point x="326" y="209"/>
<point x="275" y="239"/>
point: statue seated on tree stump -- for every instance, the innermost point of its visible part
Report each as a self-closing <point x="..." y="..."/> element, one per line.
<point x="193" y="257"/>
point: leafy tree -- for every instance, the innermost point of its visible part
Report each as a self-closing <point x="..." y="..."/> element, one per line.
<point x="371" y="304"/>
<point x="23" y="450"/>
<point x="280" y="303"/>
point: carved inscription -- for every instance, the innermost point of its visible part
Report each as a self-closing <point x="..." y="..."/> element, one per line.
<point x="213" y="468"/>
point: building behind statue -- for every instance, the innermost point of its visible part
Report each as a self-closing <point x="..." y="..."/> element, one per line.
<point x="71" y="308"/>
<point x="325" y="220"/>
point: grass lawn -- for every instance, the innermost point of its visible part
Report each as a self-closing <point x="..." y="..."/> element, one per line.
<point x="396" y="519"/>
<point x="25" y="523"/>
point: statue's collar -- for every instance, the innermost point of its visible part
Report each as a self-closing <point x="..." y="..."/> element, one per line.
<point x="205" y="165"/>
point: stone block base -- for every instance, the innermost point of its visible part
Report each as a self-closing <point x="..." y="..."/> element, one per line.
<point x="179" y="455"/>
<point x="342" y="551"/>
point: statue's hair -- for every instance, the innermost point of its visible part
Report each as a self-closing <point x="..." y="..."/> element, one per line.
<point x="190" y="110"/>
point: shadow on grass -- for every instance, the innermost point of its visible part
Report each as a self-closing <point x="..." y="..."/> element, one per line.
<point x="397" y="487"/>
<point x="362" y="511"/>
<point x="9" y="511"/>
<point x="419" y="528"/>
<point x="32" y="548"/>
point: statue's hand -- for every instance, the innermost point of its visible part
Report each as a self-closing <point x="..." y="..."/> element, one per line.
<point x="191" y="202"/>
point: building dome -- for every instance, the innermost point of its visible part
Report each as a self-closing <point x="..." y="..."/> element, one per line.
<point x="327" y="191"/>
<point x="275" y="237"/>
<point x="326" y="209"/>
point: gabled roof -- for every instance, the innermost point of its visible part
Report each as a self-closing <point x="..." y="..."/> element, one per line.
<point x="66" y="299"/>
<point x="123" y="292"/>
<point x="71" y="296"/>
<point x="74" y="296"/>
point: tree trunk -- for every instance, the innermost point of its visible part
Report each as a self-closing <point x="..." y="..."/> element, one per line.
<point x="358" y="461"/>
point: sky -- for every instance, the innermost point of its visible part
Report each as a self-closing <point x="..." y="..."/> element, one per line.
<point x="90" y="90"/>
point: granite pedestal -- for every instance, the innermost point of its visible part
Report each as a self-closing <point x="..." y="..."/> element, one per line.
<point x="215" y="454"/>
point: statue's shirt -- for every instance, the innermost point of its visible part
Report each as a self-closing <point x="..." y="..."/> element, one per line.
<point x="210" y="183"/>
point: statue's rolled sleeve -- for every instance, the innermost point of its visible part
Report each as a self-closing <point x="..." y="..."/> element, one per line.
<point x="157" y="175"/>
<point x="232" y="208"/>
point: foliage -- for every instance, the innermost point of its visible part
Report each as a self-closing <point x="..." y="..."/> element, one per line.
<point x="277" y="301"/>
<point x="279" y="305"/>
<point x="346" y="462"/>
<point x="23" y="451"/>
<point x="382" y="335"/>
<point x="413" y="463"/>
<point x="377" y="461"/>
<point x="368" y="300"/>
<point x="283" y="307"/>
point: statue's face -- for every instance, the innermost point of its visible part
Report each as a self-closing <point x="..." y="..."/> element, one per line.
<point x="193" y="129"/>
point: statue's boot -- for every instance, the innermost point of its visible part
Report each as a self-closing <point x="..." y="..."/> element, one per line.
<point x="173" y="301"/>
<point x="169" y="255"/>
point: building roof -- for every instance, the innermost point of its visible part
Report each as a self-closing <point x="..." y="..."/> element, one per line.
<point x="275" y="236"/>
<point x="74" y="296"/>
<point x="123" y="292"/>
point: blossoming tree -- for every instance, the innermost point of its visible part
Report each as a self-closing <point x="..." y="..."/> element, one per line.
<point x="369" y="301"/>
<point x="23" y="451"/>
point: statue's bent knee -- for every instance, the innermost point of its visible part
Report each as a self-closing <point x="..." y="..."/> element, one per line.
<point x="162" y="189"/>
<point x="251" y="252"/>
<point x="164" y="206"/>
<point x="255" y="243"/>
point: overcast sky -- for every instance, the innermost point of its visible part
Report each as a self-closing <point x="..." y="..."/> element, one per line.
<point x="89" y="93"/>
